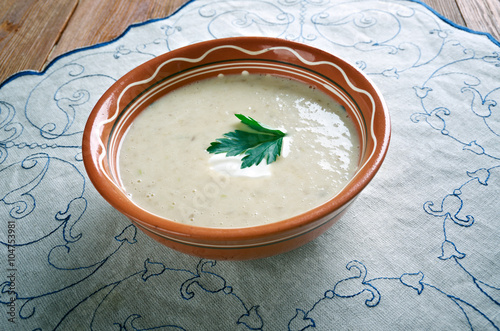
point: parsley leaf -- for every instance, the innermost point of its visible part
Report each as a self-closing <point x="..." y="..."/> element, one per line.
<point x="264" y="143"/>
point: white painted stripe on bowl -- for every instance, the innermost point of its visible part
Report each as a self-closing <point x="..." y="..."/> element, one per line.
<point x="101" y="124"/>
<point x="239" y="246"/>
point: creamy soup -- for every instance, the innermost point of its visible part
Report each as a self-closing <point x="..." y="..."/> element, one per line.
<point x="165" y="168"/>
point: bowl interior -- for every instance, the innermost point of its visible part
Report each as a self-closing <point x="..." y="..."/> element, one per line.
<point x="131" y="94"/>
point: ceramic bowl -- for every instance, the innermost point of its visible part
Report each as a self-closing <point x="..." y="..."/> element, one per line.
<point x="117" y="108"/>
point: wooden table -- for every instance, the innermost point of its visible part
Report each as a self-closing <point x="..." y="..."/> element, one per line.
<point x="34" y="32"/>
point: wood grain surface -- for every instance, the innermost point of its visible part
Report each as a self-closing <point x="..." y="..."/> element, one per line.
<point x="34" y="32"/>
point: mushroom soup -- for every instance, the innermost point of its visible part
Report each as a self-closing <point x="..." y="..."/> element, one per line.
<point x="165" y="167"/>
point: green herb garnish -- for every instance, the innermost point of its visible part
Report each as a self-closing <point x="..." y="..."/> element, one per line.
<point x="264" y="143"/>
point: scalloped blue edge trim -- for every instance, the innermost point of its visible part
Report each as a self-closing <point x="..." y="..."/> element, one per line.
<point x="76" y="50"/>
<point x="42" y="72"/>
<point x="455" y="25"/>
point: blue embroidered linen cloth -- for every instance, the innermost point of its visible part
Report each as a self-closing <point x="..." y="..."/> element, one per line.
<point x="419" y="249"/>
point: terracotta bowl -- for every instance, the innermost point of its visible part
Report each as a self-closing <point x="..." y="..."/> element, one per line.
<point x="140" y="87"/>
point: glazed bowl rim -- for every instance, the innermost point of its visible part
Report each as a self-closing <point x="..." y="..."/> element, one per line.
<point x="163" y="226"/>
